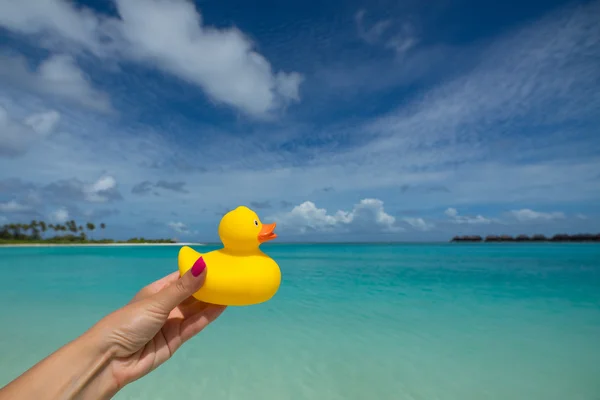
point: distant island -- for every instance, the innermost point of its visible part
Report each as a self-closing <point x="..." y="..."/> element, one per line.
<point x="561" y="237"/>
<point x="37" y="232"/>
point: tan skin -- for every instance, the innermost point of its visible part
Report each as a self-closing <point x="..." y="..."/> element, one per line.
<point x="123" y="346"/>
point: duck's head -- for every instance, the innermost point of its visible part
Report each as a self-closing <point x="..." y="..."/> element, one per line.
<point x="241" y="229"/>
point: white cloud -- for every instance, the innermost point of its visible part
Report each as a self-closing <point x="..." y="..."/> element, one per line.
<point x="13" y="206"/>
<point x="418" y="223"/>
<point x="401" y="41"/>
<point x="59" y="216"/>
<point x="59" y="17"/>
<point x="43" y="123"/>
<point x="373" y="34"/>
<point x="540" y="75"/>
<point x="478" y="219"/>
<point x="67" y="191"/>
<point x="526" y="215"/>
<point x="16" y="137"/>
<point x="58" y="75"/>
<point x="169" y="35"/>
<point x="369" y="210"/>
<point x="452" y="213"/>
<point x="307" y="215"/>
<point x="102" y="184"/>
<point x="179" y="227"/>
<point x="368" y="214"/>
<point x="581" y="216"/>
<point x="97" y="191"/>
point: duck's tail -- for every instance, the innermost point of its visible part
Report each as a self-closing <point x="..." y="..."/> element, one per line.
<point x="186" y="259"/>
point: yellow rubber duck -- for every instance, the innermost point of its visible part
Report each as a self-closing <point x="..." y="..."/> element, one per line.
<point x="240" y="273"/>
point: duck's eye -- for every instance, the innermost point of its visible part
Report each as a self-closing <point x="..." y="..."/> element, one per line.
<point x="256" y="222"/>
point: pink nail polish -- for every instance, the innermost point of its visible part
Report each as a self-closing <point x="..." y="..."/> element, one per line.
<point x="198" y="267"/>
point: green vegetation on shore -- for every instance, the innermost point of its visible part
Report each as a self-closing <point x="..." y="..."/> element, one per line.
<point x="37" y="232"/>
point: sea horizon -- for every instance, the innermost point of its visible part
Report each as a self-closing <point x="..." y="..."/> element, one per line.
<point x="298" y="243"/>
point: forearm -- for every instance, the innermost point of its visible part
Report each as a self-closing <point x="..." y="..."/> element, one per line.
<point x="78" y="370"/>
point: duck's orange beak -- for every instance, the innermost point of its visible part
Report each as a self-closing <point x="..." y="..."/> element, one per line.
<point x="266" y="233"/>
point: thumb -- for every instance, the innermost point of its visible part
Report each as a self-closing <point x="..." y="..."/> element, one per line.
<point x="171" y="296"/>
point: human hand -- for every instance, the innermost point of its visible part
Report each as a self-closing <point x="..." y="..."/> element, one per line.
<point x="123" y="346"/>
<point x="156" y="322"/>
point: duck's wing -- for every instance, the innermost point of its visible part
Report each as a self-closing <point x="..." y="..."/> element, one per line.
<point x="186" y="259"/>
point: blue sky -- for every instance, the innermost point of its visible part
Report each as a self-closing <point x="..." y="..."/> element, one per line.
<point x="338" y="120"/>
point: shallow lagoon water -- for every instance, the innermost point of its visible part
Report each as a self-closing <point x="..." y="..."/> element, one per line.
<point x="414" y="321"/>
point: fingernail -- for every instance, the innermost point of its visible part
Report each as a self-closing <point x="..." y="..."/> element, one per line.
<point x="198" y="267"/>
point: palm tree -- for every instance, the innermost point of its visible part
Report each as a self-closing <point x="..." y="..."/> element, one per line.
<point x="15" y="230"/>
<point x="22" y="227"/>
<point x="55" y="228"/>
<point x="4" y="232"/>
<point x="72" y="226"/>
<point x="91" y="227"/>
<point x="35" y="233"/>
<point x="43" y="226"/>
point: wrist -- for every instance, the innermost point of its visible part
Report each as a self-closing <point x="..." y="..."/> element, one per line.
<point x="78" y="370"/>
<point x="97" y="380"/>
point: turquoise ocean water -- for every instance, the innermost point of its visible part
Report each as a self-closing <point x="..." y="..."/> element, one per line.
<point x="418" y="321"/>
